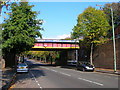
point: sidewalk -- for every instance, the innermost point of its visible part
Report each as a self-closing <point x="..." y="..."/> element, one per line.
<point x="7" y="77"/>
<point x="110" y="71"/>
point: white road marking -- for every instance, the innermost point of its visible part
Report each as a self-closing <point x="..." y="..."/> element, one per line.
<point x="78" y="78"/>
<point x="36" y="80"/>
<point x="57" y="71"/>
<point x="70" y="70"/>
<point x="91" y="81"/>
<point x="65" y="74"/>
<point x="38" y="84"/>
<point x="45" y="68"/>
<point x="53" y="70"/>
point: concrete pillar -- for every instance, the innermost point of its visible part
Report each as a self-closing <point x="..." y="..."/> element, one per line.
<point x="77" y="55"/>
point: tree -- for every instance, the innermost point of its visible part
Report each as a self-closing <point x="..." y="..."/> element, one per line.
<point x="2" y="3"/>
<point x="116" y="14"/>
<point x="45" y="54"/>
<point x="41" y="54"/>
<point x="20" y="30"/>
<point x="7" y="4"/>
<point x="0" y="42"/>
<point x="92" y="25"/>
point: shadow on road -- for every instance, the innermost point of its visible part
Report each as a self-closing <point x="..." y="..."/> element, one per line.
<point x="38" y="64"/>
<point x="34" y="72"/>
<point x="69" y="67"/>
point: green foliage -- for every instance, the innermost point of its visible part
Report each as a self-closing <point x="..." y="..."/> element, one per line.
<point x="43" y="54"/>
<point x="92" y="25"/>
<point x="0" y="41"/>
<point x="55" y="55"/>
<point x="40" y="53"/>
<point x="116" y="14"/>
<point x="21" y="29"/>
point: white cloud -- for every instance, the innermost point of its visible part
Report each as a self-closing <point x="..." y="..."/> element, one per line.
<point x="63" y="36"/>
<point x="58" y="37"/>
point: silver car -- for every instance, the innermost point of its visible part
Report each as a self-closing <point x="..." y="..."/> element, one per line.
<point x="85" y="66"/>
<point x="22" y="67"/>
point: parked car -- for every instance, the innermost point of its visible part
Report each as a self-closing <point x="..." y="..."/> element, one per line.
<point x="85" y="66"/>
<point x="71" y="62"/>
<point x="22" y="67"/>
<point x="25" y="59"/>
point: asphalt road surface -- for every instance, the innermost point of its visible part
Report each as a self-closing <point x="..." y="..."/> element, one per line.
<point x="41" y="77"/>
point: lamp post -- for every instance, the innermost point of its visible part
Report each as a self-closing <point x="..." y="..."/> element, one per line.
<point x="113" y="37"/>
<point x="113" y="41"/>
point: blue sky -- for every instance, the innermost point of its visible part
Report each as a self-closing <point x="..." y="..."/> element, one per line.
<point x="60" y="17"/>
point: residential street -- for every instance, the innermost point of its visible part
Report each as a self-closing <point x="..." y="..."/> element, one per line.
<point x="41" y="76"/>
<point x="59" y="45"/>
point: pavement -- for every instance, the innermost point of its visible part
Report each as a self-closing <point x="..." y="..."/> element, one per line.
<point x="109" y="71"/>
<point x="8" y="74"/>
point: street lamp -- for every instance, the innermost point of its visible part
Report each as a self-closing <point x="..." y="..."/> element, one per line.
<point x="113" y="37"/>
<point x="113" y="41"/>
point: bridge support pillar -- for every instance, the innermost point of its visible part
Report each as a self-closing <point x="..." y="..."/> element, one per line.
<point x="77" y="55"/>
<point x="63" y="58"/>
<point x="51" y="59"/>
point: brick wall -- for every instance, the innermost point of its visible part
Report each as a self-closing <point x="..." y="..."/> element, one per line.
<point x="104" y="56"/>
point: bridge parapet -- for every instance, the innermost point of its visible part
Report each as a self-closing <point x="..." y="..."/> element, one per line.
<point x="57" y="40"/>
<point x="55" y="44"/>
